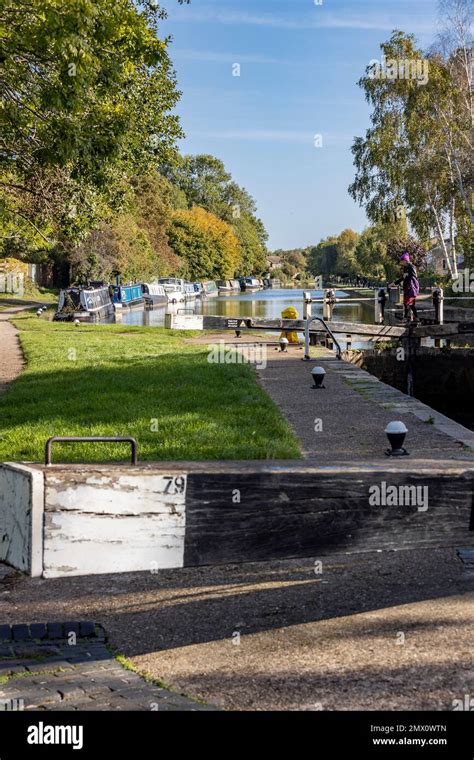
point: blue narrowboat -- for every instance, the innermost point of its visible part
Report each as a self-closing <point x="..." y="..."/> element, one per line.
<point x="130" y="296"/>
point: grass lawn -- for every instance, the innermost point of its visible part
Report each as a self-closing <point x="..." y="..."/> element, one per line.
<point x="140" y="381"/>
<point x="34" y="294"/>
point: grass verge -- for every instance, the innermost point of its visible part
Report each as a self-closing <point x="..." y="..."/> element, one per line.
<point x="140" y="381"/>
<point x="32" y="293"/>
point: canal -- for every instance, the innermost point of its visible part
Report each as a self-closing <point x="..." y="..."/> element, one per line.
<point x="264" y="303"/>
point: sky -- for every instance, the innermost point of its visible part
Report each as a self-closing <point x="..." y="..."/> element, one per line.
<point x="284" y="127"/>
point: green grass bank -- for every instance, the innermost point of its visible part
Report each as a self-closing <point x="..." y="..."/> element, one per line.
<point x="145" y="382"/>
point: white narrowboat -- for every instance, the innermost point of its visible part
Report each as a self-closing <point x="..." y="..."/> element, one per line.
<point x="154" y="293"/>
<point x="227" y="287"/>
<point x="174" y="289"/>
<point x="210" y="289"/>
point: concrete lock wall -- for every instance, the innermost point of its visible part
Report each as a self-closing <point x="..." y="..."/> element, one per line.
<point x="87" y="519"/>
<point x="21" y="517"/>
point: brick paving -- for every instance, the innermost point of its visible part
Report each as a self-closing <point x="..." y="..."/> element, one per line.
<point x="67" y="666"/>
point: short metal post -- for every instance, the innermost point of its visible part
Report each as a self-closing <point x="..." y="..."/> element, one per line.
<point x="438" y="303"/>
<point x="307" y="305"/>
<point x="380" y="301"/>
<point x="307" y="318"/>
<point x="394" y="295"/>
<point x="328" y="305"/>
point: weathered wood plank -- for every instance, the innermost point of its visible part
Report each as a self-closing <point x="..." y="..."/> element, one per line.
<point x="346" y="328"/>
<point x="287" y="517"/>
<point x="87" y="544"/>
<point x="105" y="522"/>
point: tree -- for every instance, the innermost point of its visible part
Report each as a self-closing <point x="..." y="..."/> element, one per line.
<point x="206" y="183"/>
<point x="207" y="246"/>
<point x="133" y="243"/>
<point x="323" y="257"/>
<point x="87" y="97"/>
<point x="253" y="253"/>
<point x="398" y="246"/>
<point x="154" y="201"/>
<point x="346" y="252"/>
<point x="371" y="251"/>
<point x="406" y="164"/>
<point x="118" y="247"/>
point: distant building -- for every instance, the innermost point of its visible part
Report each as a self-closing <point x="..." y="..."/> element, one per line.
<point x="436" y="261"/>
<point x="274" y="262"/>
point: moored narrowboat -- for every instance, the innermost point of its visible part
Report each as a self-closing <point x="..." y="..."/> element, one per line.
<point x="174" y="289"/>
<point x="128" y="296"/>
<point x="227" y="287"/>
<point x="250" y="284"/>
<point x="154" y="294"/>
<point x="210" y="289"/>
<point x="272" y="282"/>
<point x="189" y="291"/>
<point x="85" y="303"/>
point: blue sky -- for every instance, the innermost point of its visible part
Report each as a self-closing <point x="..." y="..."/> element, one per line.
<point x="299" y="65"/>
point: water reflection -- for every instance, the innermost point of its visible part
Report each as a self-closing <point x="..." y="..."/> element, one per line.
<point x="264" y="303"/>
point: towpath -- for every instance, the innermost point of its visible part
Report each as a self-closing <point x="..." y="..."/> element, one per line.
<point x="11" y="356"/>
<point x="346" y="420"/>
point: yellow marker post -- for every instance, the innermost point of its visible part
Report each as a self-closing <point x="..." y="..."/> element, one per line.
<point x="290" y="313"/>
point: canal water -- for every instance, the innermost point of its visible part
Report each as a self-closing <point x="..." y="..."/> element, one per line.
<point x="263" y="303"/>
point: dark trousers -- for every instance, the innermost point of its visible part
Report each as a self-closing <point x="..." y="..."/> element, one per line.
<point x="410" y="311"/>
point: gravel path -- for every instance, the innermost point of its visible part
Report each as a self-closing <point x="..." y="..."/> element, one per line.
<point x="278" y="635"/>
<point x="11" y="356"/>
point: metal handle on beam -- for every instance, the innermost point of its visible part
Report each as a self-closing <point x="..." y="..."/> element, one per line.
<point x="327" y="329"/>
<point x="89" y="439"/>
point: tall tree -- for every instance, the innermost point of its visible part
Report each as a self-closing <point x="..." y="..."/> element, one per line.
<point x="346" y="252"/>
<point x="87" y="94"/>
<point x="206" y="245"/>
<point x="323" y="257"/>
<point x="406" y="162"/>
<point x="206" y="183"/>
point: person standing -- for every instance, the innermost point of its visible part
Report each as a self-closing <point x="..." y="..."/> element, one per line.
<point x="411" y="288"/>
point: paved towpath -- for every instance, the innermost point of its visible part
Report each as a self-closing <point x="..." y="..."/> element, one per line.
<point x="388" y="631"/>
<point x="346" y="420"/>
<point x="11" y="357"/>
